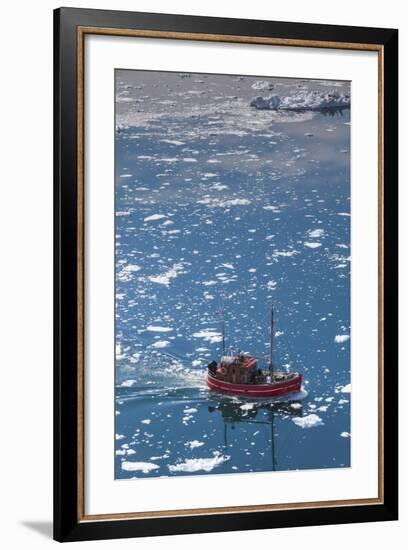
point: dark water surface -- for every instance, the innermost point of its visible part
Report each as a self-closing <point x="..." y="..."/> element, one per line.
<point x="221" y="205"/>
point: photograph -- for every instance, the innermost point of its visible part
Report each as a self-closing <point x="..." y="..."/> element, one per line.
<point x="232" y="274"/>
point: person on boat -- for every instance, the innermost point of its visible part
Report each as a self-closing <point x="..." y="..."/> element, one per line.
<point x="260" y="378"/>
<point x="268" y="379"/>
<point x="212" y="368"/>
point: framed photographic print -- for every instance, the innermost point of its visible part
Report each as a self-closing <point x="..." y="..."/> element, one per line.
<point x="225" y="274"/>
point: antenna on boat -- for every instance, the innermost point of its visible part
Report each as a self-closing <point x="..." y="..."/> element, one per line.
<point x="271" y="342"/>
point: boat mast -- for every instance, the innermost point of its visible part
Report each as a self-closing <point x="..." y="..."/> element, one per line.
<point x="223" y="331"/>
<point x="271" y="343"/>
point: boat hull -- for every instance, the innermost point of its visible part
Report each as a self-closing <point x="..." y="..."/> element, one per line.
<point x="275" y="389"/>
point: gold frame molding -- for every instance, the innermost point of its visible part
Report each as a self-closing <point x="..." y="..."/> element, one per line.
<point x="82" y="31"/>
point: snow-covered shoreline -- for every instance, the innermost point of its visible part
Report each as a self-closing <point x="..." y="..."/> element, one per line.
<point x="303" y="101"/>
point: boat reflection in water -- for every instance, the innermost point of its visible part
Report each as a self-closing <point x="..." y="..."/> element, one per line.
<point x="236" y="413"/>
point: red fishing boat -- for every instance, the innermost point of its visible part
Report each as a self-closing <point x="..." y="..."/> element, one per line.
<point x="239" y="374"/>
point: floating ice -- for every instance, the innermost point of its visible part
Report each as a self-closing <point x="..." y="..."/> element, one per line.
<point x="197" y="464"/>
<point x="316" y="233"/>
<point x="126" y="273"/>
<point x="344" y="434"/>
<point x="209" y="335"/>
<point x="247" y="406"/>
<point x="263" y="85"/>
<point x="190" y="410"/>
<point x="285" y="253"/>
<point x="128" y="383"/>
<point x="308" y="421"/>
<point x="164" y="278"/>
<point x="144" y="467"/>
<point x="303" y="101"/>
<point x="223" y="203"/>
<point x="152" y="328"/>
<point x="312" y="245"/>
<point x="160" y="344"/>
<point x="146" y="421"/>
<point x="346" y="388"/>
<point x="173" y="141"/>
<point x="270" y="207"/>
<point x="154" y="217"/>
<point x="194" y="444"/>
<point x="340" y="338"/>
<point x="218" y="187"/>
<point x="132" y="268"/>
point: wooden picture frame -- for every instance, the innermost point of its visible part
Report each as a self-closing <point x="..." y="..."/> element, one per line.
<point x="70" y="28"/>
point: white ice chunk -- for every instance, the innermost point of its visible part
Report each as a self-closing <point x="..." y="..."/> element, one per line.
<point x="160" y="344"/>
<point x="308" y="421"/>
<point x="340" y="338"/>
<point x="194" y="444"/>
<point x="209" y="335"/>
<point x="316" y="233"/>
<point x="264" y="85"/>
<point x="197" y="464"/>
<point x="223" y="203"/>
<point x="144" y="467"/>
<point x="128" y="383"/>
<point x="154" y="217"/>
<point x="153" y="328"/>
<point x="165" y="278"/>
<point x="312" y="245"/>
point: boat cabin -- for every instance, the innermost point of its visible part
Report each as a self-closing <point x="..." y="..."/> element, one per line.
<point x="238" y="369"/>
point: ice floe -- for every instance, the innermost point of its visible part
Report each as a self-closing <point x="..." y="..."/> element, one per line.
<point x="165" y="278"/>
<point x="247" y="406"/>
<point x="316" y="233"/>
<point x="264" y="85"/>
<point x="194" y="444"/>
<point x="308" y="421"/>
<point x="153" y="328"/>
<point x="160" y="344"/>
<point x="126" y="273"/>
<point x="213" y="202"/>
<point x="340" y="338"/>
<point x="209" y="335"/>
<point x="128" y="383"/>
<point x="154" y="217"/>
<point x="312" y="245"/>
<point x="196" y="464"/>
<point x="144" y="467"/>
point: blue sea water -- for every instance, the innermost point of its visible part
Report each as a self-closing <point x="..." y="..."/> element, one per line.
<point x="219" y="205"/>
